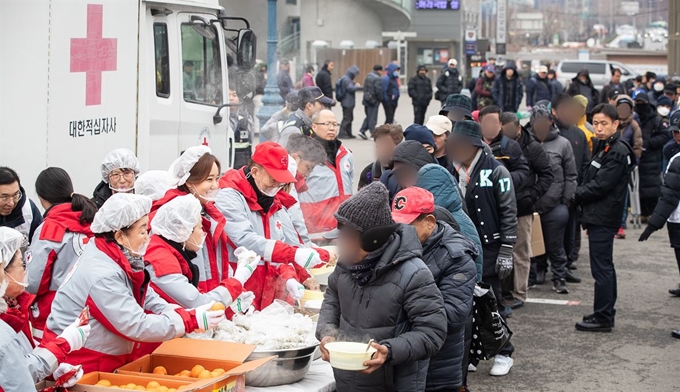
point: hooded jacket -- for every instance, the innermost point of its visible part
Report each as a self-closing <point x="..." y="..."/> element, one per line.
<point x="411" y="153"/>
<point x="390" y="87"/>
<point x="444" y="187"/>
<point x="579" y="145"/>
<point x="510" y="154"/>
<point x="400" y="307"/>
<point x="323" y="81"/>
<point x="563" y="169"/>
<point x="57" y="245"/>
<point x="297" y="122"/>
<point x="508" y="94"/>
<point x="449" y="82"/>
<point x="540" y="175"/>
<point x="24" y="218"/>
<point x="420" y="90"/>
<point x="577" y="87"/>
<point x="372" y="89"/>
<point x="630" y="129"/>
<point x="539" y="89"/>
<point x="654" y="135"/>
<point x="668" y="207"/>
<point x="350" y="87"/>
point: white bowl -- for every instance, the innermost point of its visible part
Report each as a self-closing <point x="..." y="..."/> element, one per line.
<point x="348" y="355"/>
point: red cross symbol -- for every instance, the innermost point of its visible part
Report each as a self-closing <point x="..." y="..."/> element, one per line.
<point x="205" y="141"/>
<point x="93" y="55"/>
<point x="278" y="225"/>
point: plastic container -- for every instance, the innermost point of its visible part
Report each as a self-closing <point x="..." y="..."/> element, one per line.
<point x="349" y="355"/>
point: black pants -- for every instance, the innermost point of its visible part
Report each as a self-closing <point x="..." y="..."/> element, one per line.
<point x="490" y="277"/>
<point x="601" y="241"/>
<point x="389" y="112"/>
<point x="419" y="114"/>
<point x="572" y="236"/>
<point x="553" y="223"/>
<point x="371" y="118"/>
<point x="674" y="237"/>
<point x="346" y="124"/>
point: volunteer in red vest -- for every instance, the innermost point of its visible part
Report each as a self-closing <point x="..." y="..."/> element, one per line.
<point x="110" y="279"/>
<point x="119" y="169"/>
<point x="58" y="242"/>
<point x="177" y="237"/>
<point x="256" y="209"/>
<point x="197" y="172"/>
<point x="330" y="184"/>
<point x="21" y="366"/>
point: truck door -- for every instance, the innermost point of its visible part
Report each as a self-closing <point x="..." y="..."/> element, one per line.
<point x="203" y="85"/>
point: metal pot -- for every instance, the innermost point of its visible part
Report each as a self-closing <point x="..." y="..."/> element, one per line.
<point x="291" y="366"/>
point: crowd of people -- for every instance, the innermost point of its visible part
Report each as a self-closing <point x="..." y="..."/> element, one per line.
<point x="447" y="208"/>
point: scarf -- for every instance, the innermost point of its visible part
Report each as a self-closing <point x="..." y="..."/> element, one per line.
<point x="463" y="176"/>
<point x="263" y="200"/>
<point x="132" y="266"/>
<point x="331" y="147"/>
<point x="188" y="255"/>
<point x="363" y="272"/>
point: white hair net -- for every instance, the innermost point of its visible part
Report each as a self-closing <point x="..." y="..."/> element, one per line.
<point x="176" y="219"/>
<point x="10" y="242"/>
<point x="153" y="183"/>
<point x="179" y="170"/>
<point x="292" y="166"/>
<point x="121" y="158"/>
<point x="119" y="211"/>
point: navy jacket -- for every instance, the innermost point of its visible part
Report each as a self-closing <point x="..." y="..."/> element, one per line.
<point x="390" y="87"/>
<point x="539" y="89"/>
<point x="350" y="87"/>
<point x="508" y="94"/>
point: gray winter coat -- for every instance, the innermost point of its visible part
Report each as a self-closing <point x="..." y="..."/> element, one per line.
<point x="449" y="255"/>
<point x="564" y="171"/>
<point x="350" y="87"/>
<point x="400" y="307"/>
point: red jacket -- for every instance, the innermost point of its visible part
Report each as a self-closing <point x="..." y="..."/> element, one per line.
<point x="16" y="315"/>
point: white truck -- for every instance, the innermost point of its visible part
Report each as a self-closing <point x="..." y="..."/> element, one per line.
<point x="89" y="76"/>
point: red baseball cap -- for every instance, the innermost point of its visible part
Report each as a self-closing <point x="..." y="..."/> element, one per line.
<point x="274" y="159"/>
<point x="410" y="203"/>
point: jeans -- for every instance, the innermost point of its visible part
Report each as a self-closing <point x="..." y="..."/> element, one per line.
<point x="490" y="254"/>
<point x="601" y="240"/>
<point x="371" y="118"/>
<point x="419" y="114"/>
<point x="347" y="118"/>
<point x="389" y="112"/>
<point x="553" y="223"/>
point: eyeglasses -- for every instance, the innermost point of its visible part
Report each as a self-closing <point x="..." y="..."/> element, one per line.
<point x="308" y="166"/>
<point x="5" y="199"/>
<point x="328" y="124"/>
<point x="127" y="174"/>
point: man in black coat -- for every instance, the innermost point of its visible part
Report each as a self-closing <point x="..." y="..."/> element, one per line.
<point x="409" y="157"/>
<point x="449" y="82"/>
<point x="655" y="134"/>
<point x="540" y="88"/>
<point x="600" y="198"/>
<point x="371" y="100"/>
<point x="613" y="85"/>
<point x="536" y="185"/>
<point x="420" y="91"/>
<point x="508" y="90"/>
<point x="450" y="257"/>
<point x="323" y="79"/>
<point x="582" y="85"/>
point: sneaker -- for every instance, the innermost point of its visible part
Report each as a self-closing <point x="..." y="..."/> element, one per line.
<point x="540" y="277"/>
<point x="501" y="365"/>
<point x="560" y="286"/>
<point x="675" y="292"/>
<point x="472" y="368"/>
<point x="571" y="278"/>
<point x="621" y="235"/>
<point x="362" y="134"/>
<point x="506" y="312"/>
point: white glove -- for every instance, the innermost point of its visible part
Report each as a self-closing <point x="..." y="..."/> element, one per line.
<point x="208" y="319"/>
<point x="76" y="335"/>
<point x="243" y="302"/>
<point x="65" y="368"/>
<point x="295" y="289"/>
<point x="247" y="262"/>
<point x="307" y="258"/>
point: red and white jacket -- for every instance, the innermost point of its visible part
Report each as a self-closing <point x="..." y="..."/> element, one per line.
<point x="270" y="234"/>
<point x="56" y="246"/>
<point x="327" y="187"/>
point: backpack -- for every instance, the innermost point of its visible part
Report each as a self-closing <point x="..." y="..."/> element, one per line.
<point x="340" y="89"/>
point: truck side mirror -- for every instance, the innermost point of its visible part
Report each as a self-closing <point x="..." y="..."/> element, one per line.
<point x="246" y="49"/>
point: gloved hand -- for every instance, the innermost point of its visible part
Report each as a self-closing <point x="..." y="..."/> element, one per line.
<point x="247" y="263"/>
<point x="76" y="335"/>
<point x="65" y="368"/>
<point x="208" y="319"/>
<point x="307" y="258"/>
<point x="243" y="302"/>
<point x="295" y="289"/>
<point x="504" y="262"/>
<point x="648" y="232"/>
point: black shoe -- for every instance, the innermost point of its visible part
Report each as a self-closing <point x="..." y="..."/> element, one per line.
<point x="351" y="137"/>
<point x="572" y="267"/>
<point x="591" y="324"/>
<point x="516" y="303"/>
<point x="593" y="316"/>
<point x="532" y="284"/>
<point x="675" y="292"/>
<point x="506" y="312"/>
<point x="675" y="333"/>
<point x="540" y="277"/>
<point x="560" y="286"/>
<point x="571" y="278"/>
<point x="362" y="134"/>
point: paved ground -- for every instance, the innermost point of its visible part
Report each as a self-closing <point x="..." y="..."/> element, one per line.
<point x="551" y="355"/>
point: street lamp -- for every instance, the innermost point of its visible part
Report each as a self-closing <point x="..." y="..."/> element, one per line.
<point x="271" y="101"/>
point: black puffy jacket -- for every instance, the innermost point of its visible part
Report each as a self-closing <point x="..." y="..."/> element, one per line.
<point x="509" y="153"/>
<point x="655" y="134"/>
<point x="420" y="90"/>
<point x="540" y="174"/>
<point x="670" y="196"/>
<point x="101" y="194"/>
<point x="411" y="153"/>
<point x="323" y="81"/>
<point x="605" y="182"/>
<point x="400" y="307"/>
<point x="579" y="144"/>
<point x="449" y="82"/>
<point x="449" y="255"/>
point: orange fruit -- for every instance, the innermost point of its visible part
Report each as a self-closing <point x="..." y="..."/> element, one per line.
<point x="162" y="389"/>
<point x="140" y="388"/>
<point x="205" y="374"/>
<point x="160" y="370"/>
<point x="172" y="390"/>
<point x="185" y="373"/>
<point x="103" y="383"/>
<point x="218" y="306"/>
<point x="196" y="371"/>
<point x="218" y="372"/>
<point x="130" y="386"/>
<point x="153" y="384"/>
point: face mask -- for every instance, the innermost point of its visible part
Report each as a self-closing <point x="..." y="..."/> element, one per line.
<point x="658" y="87"/>
<point x="199" y="245"/>
<point x="395" y="74"/>
<point x="3" y="287"/>
<point x="210" y="196"/>
<point x="121" y="190"/>
<point x="23" y="284"/>
<point x="139" y="252"/>
<point x="641" y="107"/>
<point x="663" y="111"/>
<point x="271" y="192"/>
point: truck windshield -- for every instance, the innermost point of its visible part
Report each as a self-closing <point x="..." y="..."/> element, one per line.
<point x="202" y="68"/>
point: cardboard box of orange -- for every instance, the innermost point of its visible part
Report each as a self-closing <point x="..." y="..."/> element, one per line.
<point x="182" y="354"/>
<point x="133" y="382"/>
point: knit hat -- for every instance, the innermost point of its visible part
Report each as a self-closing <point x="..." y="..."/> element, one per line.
<point x="419" y="133"/>
<point x="368" y="208"/>
<point x="468" y="132"/>
<point x="664" y="101"/>
<point x="457" y="102"/>
<point x="540" y="112"/>
<point x="581" y="100"/>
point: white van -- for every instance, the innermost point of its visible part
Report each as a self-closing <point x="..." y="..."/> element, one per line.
<point x="84" y="79"/>
<point x="600" y="71"/>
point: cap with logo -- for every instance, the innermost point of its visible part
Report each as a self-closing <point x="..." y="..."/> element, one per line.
<point x="490" y="68"/>
<point x="439" y="124"/>
<point x="274" y="159"/>
<point x="410" y="203"/>
<point x="310" y="94"/>
<point x="675" y="121"/>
